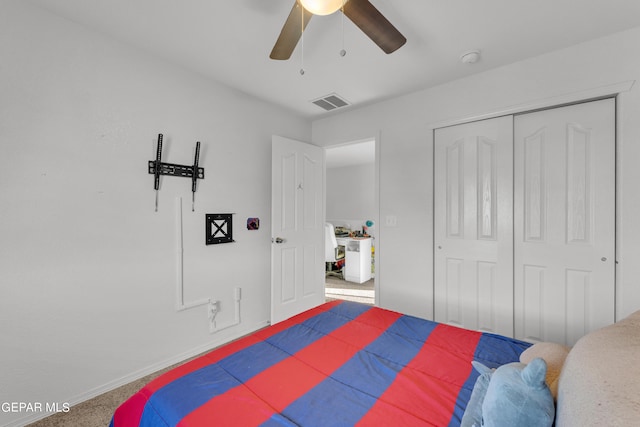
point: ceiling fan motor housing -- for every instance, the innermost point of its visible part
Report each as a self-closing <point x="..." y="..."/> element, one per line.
<point x="322" y="7"/>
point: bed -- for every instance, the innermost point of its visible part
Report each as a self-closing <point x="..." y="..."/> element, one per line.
<point x="599" y="383"/>
<point x="342" y="363"/>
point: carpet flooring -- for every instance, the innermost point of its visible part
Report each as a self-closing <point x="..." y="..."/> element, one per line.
<point x="336" y="288"/>
<point x="97" y="412"/>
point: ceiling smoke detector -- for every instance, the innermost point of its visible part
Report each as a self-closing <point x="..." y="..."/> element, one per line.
<point x="470" y="57"/>
<point x="330" y="102"/>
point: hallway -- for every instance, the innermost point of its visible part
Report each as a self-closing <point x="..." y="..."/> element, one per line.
<point x="341" y="289"/>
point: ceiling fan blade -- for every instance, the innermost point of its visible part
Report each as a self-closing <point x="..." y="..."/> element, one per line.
<point x="291" y="32"/>
<point x="374" y="25"/>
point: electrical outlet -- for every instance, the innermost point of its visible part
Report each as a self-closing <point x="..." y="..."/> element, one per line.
<point x="391" y="221"/>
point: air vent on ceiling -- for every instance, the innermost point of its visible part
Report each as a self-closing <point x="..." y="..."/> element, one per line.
<point x="330" y="102"/>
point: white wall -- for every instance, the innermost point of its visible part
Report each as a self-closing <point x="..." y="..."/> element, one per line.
<point x="405" y="269"/>
<point x="350" y="194"/>
<point x="87" y="268"/>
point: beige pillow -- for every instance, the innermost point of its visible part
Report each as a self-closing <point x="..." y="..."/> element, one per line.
<point x="554" y="355"/>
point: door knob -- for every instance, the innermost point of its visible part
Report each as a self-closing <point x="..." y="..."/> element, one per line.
<point x="279" y="240"/>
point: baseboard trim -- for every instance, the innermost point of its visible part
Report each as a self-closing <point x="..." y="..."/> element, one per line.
<point x="134" y="376"/>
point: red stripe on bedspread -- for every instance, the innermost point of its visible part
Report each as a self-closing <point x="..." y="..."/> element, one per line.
<point x="325" y="355"/>
<point x="129" y="414"/>
<point x="432" y="379"/>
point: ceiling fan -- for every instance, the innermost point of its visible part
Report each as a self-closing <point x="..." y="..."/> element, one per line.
<point x="360" y="12"/>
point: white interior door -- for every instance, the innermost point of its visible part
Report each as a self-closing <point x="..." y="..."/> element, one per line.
<point x="564" y="240"/>
<point x="473" y="202"/>
<point x="297" y="227"/>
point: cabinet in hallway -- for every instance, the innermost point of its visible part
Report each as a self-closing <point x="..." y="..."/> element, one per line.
<point x="357" y="258"/>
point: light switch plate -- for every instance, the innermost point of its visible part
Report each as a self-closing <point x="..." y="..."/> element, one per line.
<point x="391" y="221"/>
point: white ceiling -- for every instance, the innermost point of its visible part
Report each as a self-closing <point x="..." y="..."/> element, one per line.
<point x="230" y="41"/>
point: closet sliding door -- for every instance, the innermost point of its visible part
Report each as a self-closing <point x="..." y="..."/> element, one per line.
<point x="524" y="217"/>
<point x="474" y="225"/>
<point x="564" y="206"/>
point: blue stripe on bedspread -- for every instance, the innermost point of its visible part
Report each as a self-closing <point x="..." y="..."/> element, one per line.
<point x="192" y="390"/>
<point x="367" y="375"/>
<point x="492" y="351"/>
<point x="351" y="390"/>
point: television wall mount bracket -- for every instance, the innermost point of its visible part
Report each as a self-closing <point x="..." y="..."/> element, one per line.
<point x="157" y="168"/>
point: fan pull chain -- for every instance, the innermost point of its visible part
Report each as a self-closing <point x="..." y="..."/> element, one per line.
<point x="343" y="52"/>
<point x="301" y="41"/>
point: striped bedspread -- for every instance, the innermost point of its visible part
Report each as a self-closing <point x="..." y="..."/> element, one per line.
<point x="339" y="364"/>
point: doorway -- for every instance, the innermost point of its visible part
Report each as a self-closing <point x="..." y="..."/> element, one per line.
<point x="351" y="209"/>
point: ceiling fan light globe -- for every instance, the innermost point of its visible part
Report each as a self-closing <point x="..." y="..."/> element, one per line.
<point x="322" y="7"/>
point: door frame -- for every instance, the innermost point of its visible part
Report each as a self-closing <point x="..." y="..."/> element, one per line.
<point x="376" y="202"/>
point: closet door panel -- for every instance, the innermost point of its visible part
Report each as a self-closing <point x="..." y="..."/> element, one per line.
<point x="564" y="205"/>
<point x="474" y="225"/>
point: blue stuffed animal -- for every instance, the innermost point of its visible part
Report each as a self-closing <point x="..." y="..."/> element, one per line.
<point x="515" y="394"/>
